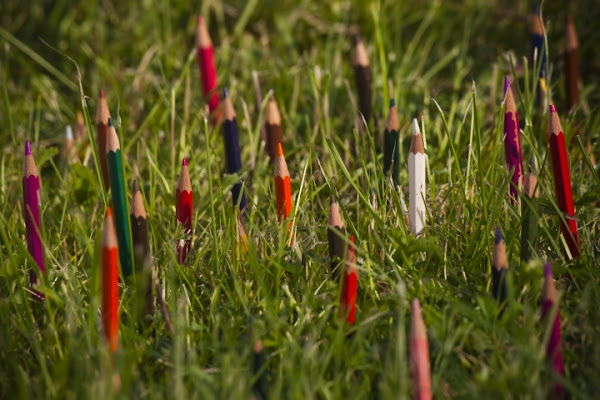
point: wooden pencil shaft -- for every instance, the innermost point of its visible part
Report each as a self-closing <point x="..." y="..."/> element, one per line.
<point x="416" y="181"/>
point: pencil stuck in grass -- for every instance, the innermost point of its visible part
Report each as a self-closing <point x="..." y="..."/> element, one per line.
<point x="208" y="71"/>
<point x="391" y="145"/>
<point x="562" y="181"/>
<point x="260" y="387"/>
<point x="273" y="128"/>
<point x="349" y="285"/>
<point x="141" y="252"/>
<point x="512" y="140"/>
<point x="102" y="117"/>
<point x="571" y="64"/>
<point x="335" y="236"/>
<point x="551" y="314"/>
<point x="283" y="187"/>
<point x="110" y="280"/>
<point x="529" y="227"/>
<point x="184" y="206"/>
<point x="114" y="160"/>
<point x="419" y="355"/>
<point x="232" y="149"/>
<point x="416" y="181"/>
<point x="362" y="76"/>
<point x="499" y="268"/>
<point x="32" y="206"/>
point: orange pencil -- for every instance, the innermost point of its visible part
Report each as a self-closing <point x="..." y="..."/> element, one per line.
<point x="419" y="355"/>
<point x="109" y="258"/>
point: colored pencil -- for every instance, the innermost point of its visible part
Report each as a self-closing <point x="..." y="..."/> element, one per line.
<point x="562" y="181"/>
<point x="499" y="268"/>
<point x="32" y="206"/>
<point x="283" y="187"/>
<point x="536" y="29"/>
<point x="110" y="281"/>
<point x="553" y="350"/>
<point x="335" y="232"/>
<point x="419" y="354"/>
<point x="67" y="152"/>
<point x="391" y="145"/>
<point x="242" y="236"/>
<point x="232" y="149"/>
<point x="512" y="140"/>
<point x="102" y="117"/>
<point x="529" y="227"/>
<point x="273" y="128"/>
<point x="349" y="285"/>
<point x="416" y="181"/>
<point x="571" y="65"/>
<point x="362" y="76"/>
<point x="184" y="206"/>
<point x="141" y="250"/>
<point x="258" y="367"/>
<point x="80" y="128"/>
<point x="208" y="72"/>
<point x="114" y="160"/>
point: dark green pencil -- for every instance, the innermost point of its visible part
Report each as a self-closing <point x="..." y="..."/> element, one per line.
<point x="117" y="189"/>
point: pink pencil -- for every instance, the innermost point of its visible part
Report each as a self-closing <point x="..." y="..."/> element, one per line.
<point x="208" y="71"/>
<point x="32" y="205"/>
<point x="553" y="351"/>
<point x="512" y="139"/>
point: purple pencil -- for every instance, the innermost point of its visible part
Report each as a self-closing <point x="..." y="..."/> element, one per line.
<point x="512" y="139"/>
<point x="32" y="205"/>
<point x="553" y="351"/>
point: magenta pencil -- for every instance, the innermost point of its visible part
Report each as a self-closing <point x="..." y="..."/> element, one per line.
<point x="512" y="139"/>
<point x="553" y="351"/>
<point x="32" y="206"/>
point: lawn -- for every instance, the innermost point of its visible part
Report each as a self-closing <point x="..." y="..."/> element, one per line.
<point x="443" y="62"/>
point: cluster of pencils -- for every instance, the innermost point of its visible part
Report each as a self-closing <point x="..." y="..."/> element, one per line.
<point x="125" y="237"/>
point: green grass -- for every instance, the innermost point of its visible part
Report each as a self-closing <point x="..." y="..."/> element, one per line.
<point x="440" y="59"/>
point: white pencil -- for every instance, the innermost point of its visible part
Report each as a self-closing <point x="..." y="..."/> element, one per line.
<point x="416" y="181"/>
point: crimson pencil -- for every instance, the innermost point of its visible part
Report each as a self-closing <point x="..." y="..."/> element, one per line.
<point x="553" y="350"/>
<point x="232" y="149"/>
<point x="562" y="181"/>
<point x="184" y="205"/>
<point x="31" y="209"/>
<point x="512" y="140"/>
<point x="349" y="285"/>
<point x="419" y="355"/>
<point x="208" y="72"/>
<point x="109" y="257"/>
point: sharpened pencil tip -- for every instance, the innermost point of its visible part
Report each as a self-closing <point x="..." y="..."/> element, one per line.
<point x="225" y="93"/>
<point x="200" y="20"/>
<point x="102" y="93"/>
<point x="392" y="102"/>
<point x="27" y="148"/>
<point x="506" y="84"/>
<point x="69" y="133"/>
<point x="109" y="212"/>
<point x="279" y="150"/>
<point x="184" y="163"/>
<point x="552" y="108"/>
<point x="548" y="270"/>
<point x="110" y="121"/>
<point x="332" y="200"/>
<point x="498" y="236"/>
<point x="136" y="188"/>
<point x="416" y="307"/>
<point x="416" y="130"/>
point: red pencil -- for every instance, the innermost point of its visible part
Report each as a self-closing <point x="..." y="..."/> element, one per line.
<point x="562" y="181"/>
<point x="184" y="199"/>
<point x="109" y="258"/>
<point x="349" y="285"/>
<point x="208" y="72"/>
<point x="283" y="187"/>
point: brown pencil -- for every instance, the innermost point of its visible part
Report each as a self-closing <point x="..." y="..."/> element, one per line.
<point x="273" y="128"/>
<point x="571" y="65"/>
<point x="102" y="116"/>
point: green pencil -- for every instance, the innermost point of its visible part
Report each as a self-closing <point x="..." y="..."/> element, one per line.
<point x="117" y="189"/>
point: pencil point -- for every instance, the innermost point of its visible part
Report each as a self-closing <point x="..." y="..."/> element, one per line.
<point x="69" y="133"/>
<point x="225" y="93"/>
<point x="184" y="163"/>
<point x="548" y="270"/>
<point x="416" y="307"/>
<point x="110" y="121"/>
<point x="27" y="148"/>
<point x="332" y="200"/>
<point x="101" y="93"/>
<point x="506" y="84"/>
<point x="200" y="20"/>
<point x="109" y="212"/>
<point x="136" y="188"/>
<point x="498" y="235"/>
<point x="416" y="130"/>
<point x="392" y="102"/>
<point x="279" y="150"/>
<point x="552" y="108"/>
